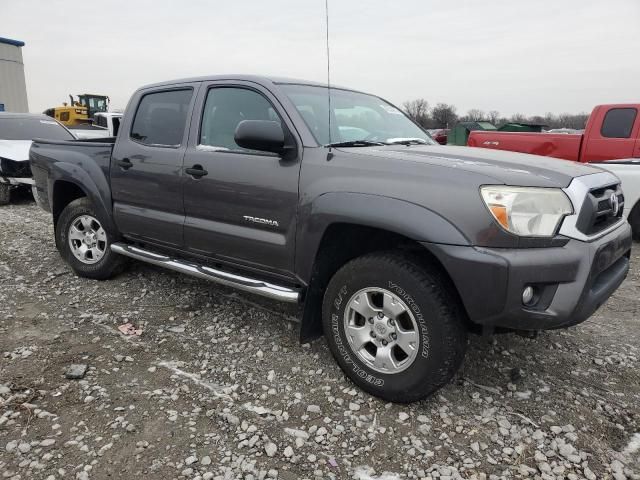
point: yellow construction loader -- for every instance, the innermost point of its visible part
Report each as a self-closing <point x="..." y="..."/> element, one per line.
<point x="80" y="110"/>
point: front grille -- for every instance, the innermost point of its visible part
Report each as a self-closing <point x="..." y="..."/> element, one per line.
<point x="598" y="210"/>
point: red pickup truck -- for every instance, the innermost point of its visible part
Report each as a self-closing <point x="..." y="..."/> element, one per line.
<point x="612" y="132"/>
<point x="611" y="139"/>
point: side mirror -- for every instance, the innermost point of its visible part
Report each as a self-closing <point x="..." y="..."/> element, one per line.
<point x="262" y="135"/>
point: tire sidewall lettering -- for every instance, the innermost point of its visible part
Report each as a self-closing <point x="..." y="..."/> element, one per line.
<point x="344" y="351"/>
<point x="424" y="332"/>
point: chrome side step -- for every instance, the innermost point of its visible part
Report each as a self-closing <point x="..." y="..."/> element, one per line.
<point x="246" y="284"/>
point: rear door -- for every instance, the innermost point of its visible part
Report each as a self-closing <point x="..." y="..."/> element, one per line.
<point x="243" y="210"/>
<point x="613" y="134"/>
<point x="146" y="165"/>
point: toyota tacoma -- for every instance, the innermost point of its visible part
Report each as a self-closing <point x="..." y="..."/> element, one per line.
<point x="396" y="246"/>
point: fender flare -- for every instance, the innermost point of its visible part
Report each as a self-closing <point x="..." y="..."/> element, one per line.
<point x="95" y="187"/>
<point x="386" y="213"/>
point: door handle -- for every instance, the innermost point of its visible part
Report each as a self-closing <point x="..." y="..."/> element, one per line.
<point x="196" y="171"/>
<point x="125" y="163"/>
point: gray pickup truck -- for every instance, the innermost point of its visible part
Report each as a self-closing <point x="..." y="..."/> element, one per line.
<point x="397" y="246"/>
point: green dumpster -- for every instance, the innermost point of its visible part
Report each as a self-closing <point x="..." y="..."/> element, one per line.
<point x="460" y="133"/>
<point x="522" y="127"/>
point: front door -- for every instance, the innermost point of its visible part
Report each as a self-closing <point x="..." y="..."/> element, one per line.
<point x="146" y="167"/>
<point x="240" y="205"/>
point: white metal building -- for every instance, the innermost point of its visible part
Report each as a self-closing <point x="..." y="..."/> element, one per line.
<point x="13" y="88"/>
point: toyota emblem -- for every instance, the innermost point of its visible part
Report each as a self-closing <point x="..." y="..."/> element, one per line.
<point x="615" y="204"/>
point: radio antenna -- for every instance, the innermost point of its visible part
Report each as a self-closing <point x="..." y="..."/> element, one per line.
<point x="326" y="11"/>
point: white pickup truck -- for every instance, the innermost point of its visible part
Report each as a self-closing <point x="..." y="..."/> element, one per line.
<point x="105" y="124"/>
<point x="628" y="171"/>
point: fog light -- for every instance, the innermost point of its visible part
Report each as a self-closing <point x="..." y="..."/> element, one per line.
<point x="527" y="295"/>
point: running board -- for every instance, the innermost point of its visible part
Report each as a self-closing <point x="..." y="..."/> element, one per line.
<point x="246" y="284"/>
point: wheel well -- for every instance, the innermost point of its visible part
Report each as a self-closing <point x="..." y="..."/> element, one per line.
<point x="63" y="194"/>
<point x="344" y="242"/>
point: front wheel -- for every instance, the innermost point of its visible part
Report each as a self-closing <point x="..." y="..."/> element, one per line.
<point x="84" y="244"/>
<point x="394" y="326"/>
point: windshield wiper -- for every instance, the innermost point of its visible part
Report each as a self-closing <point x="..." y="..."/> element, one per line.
<point x="407" y="141"/>
<point x="355" y="143"/>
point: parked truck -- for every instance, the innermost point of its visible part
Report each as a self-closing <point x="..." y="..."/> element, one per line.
<point x="105" y="124"/>
<point x="396" y="246"/>
<point x="611" y="139"/>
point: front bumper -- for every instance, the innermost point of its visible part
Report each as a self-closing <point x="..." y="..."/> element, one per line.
<point x="571" y="281"/>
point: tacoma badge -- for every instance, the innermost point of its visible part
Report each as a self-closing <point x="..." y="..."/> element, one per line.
<point x="263" y="221"/>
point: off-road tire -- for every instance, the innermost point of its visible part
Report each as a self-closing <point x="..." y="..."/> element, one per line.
<point x="439" y="314"/>
<point x="108" y="266"/>
<point x="5" y="194"/>
<point x="37" y="196"/>
<point x="634" y="220"/>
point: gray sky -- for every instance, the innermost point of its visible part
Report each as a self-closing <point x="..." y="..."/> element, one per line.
<point x="513" y="56"/>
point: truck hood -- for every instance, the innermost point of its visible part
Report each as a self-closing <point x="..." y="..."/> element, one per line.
<point x="16" y="150"/>
<point x="503" y="167"/>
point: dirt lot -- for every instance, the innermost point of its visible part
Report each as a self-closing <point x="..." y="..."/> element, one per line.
<point x="217" y="386"/>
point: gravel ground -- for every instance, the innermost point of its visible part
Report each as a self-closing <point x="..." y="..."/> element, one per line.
<point x="217" y="386"/>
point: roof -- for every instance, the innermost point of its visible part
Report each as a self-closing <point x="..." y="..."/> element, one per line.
<point x="15" y="43"/>
<point x="260" y="79"/>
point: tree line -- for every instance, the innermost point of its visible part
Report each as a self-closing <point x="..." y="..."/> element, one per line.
<point x="443" y="115"/>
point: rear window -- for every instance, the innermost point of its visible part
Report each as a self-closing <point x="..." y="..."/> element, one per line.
<point x="618" y="123"/>
<point x="25" y="128"/>
<point x="161" y="118"/>
<point x="100" y="121"/>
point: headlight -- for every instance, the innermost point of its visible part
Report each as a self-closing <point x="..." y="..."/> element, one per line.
<point x="527" y="211"/>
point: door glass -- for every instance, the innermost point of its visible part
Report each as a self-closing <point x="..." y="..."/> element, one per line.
<point x="161" y="118"/>
<point x="225" y="108"/>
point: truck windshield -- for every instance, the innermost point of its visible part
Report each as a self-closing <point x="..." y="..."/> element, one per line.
<point x="357" y="119"/>
<point x="25" y="128"/>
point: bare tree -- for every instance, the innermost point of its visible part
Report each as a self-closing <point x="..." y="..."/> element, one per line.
<point x="537" y="119"/>
<point x="475" y="115"/>
<point x="444" y="116"/>
<point x="518" y="118"/>
<point x="577" y="121"/>
<point x="418" y="110"/>
<point x="551" y="120"/>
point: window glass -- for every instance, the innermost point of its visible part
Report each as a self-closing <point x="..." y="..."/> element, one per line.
<point x="116" y="125"/>
<point x="98" y="104"/>
<point x="225" y="108"/>
<point x="618" y="123"/>
<point x="28" y="128"/>
<point x="355" y="116"/>
<point x="161" y="117"/>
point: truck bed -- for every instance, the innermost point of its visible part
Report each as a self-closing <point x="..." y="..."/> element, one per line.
<point x="74" y="161"/>
<point x="558" y="145"/>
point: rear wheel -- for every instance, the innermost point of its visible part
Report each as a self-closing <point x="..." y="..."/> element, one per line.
<point x="84" y="243"/>
<point x="394" y="326"/>
<point x="5" y="194"/>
